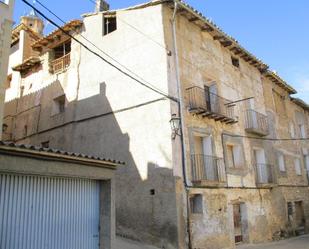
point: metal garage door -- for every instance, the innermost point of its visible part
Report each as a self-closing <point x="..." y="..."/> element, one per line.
<point x="48" y="213"/>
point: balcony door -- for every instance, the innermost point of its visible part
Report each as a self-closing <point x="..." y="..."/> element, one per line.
<point x="211" y="97"/>
<point x="261" y="167"/>
<point x="253" y="115"/>
<point x="205" y="163"/>
<point x="209" y="159"/>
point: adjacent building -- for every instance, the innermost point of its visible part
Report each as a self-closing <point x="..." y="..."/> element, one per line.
<point x="49" y="198"/>
<point x="216" y="149"/>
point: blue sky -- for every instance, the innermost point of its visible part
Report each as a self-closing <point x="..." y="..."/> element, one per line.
<point x="275" y="31"/>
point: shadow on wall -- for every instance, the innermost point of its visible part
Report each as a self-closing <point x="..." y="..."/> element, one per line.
<point x="145" y="207"/>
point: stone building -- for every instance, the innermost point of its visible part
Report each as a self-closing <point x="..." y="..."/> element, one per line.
<point x="199" y="120"/>
<point x="48" y="197"/>
<point x="6" y="10"/>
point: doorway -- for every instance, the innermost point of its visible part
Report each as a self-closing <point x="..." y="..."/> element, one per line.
<point x="237" y="223"/>
<point x="299" y="215"/>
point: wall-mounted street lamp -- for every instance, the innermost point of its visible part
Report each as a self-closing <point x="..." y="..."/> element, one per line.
<point x="175" y="126"/>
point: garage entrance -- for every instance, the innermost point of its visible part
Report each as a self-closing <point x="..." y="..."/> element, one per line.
<point x="45" y="212"/>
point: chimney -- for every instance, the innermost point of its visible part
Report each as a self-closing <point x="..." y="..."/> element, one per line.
<point x="101" y="5"/>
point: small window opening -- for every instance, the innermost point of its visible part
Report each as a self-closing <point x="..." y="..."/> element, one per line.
<point x="59" y="105"/>
<point x="45" y="144"/>
<point x="4" y="128"/>
<point x="290" y="208"/>
<point x="152" y="191"/>
<point x="110" y="24"/>
<point x="8" y="81"/>
<point x="196" y="204"/>
<point x="235" y="61"/>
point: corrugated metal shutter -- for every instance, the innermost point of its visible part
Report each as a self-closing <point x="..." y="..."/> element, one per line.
<point x="48" y="213"/>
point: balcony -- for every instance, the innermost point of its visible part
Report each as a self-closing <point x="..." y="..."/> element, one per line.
<point x="207" y="170"/>
<point x="256" y="123"/>
<point x="60" y="64"/>
<point x="203" y="102"/>
<point x="264" y="174"/>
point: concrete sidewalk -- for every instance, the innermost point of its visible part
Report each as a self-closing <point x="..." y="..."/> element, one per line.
<point x="301" y="242"/>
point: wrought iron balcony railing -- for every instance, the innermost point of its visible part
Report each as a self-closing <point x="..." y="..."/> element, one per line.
<point x="207" y="168"/>
<point x="208" y="104"/>
<point x="61" y="63"/>
<point x="264" y="173"/>
<point x="256" y="123"/>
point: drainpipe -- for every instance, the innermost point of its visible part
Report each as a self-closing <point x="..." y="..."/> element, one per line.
<point x="181" y="107"/>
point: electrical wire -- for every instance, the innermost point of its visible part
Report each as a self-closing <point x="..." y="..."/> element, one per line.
<point x="148" y="85"/>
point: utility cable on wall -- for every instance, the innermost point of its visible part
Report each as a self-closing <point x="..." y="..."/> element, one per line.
<point x="147" y="84"/>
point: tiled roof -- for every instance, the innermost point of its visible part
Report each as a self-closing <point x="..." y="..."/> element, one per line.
<point x="71" y="25"/>
<point x="301" y="103"/>
<point x="59" y="152"/>
<point x="274" y="77"/>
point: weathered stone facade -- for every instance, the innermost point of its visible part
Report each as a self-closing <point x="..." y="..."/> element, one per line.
<point x="235" y="186"/>
<point x="6" y="10"/>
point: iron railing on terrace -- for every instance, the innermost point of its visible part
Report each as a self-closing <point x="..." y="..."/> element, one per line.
<point x="264" y="173"/>
<point x="208" y="104"/>
<point x="61" y="63"/>
<point x="207" y="168"/>
<point x="256" y="123"/>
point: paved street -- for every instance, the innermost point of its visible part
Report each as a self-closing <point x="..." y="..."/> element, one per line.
<point x="121" y="243"/>
<point x="301" y="242"/>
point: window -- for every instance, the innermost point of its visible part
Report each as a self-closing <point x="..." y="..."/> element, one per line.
<point x="4" y="128"/>
<point x="230" y="155"/>
<point x="297" y="166"/>
<point x="62" y="50"/>
<point x="234" y="156"/>
<point x="196" y="204"/>
<point x="235" y="61"/>
<point x="59" y="105"/>
<point x="290" y="208"/>
<point x="25" y="131"/>
<point x="110" y="24"/>
<point x="281" y="162"/>
<point x="8" y="81"/>
<point x="60" y="57"/>
<point x="45" y="144"/>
